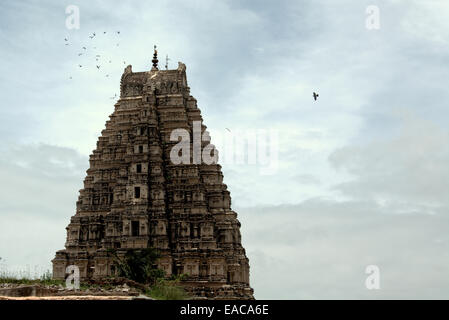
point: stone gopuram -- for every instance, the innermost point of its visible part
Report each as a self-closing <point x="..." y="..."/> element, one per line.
<point x="135" y="197"/>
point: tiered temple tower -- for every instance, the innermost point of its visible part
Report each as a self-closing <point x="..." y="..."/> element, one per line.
<point x="135" y="197"/>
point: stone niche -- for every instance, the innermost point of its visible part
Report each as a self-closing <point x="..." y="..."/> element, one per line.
<point x="191" y="268"/>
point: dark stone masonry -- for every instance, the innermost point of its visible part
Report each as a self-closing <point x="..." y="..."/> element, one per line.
<point x="135" y="197"/>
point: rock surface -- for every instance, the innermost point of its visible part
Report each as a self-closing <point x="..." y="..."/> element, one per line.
<point x="58" y="292"/>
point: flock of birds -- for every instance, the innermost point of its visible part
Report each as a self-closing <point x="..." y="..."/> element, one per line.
<point x="100" y="61"/>
<point x="98" y="57"/>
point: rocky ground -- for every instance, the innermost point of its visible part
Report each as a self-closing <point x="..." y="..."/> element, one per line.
<point x="103" y="291"/>
<point x="74" y="298"/>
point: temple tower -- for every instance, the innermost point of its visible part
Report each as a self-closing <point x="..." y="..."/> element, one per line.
<point x="135" y="197"/>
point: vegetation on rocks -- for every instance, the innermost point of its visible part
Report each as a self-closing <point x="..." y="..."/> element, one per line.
<point x="141" y="267"/>
<point x="136" y="270"/>
<point x="138" y="265"/>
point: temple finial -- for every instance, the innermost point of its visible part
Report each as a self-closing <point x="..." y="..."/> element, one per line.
<point x="166" y="62"/>
<point x="155" y="60"/>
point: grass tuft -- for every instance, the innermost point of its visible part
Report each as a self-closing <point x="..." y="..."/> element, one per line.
<point x="167" y="290"/>
<point x="21" y="278"/>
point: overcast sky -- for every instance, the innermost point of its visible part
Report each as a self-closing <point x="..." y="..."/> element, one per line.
<point x="363" y="172"/>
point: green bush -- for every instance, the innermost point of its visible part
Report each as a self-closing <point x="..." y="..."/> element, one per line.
<point x="167" y="290"/>
<point x="138" y="265"/>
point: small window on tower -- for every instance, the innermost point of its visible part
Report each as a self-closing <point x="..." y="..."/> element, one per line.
<point x="142" y="131"/>
<point x="137" y="192"/>
<point x="140" y="149"/>
<point x="139" y="168"/>
<point x="135" y="228"/>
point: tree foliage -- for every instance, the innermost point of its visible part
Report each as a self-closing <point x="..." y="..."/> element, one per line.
<point x="138" y="265"/>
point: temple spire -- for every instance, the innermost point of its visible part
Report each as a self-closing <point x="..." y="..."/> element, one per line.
<point x="155" y="60"/>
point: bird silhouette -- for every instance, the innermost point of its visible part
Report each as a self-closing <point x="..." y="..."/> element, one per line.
<point x="315" y="95"/>
<point x="80" y="54"/>
<point x="228" y="129"/>
<point x="118" y="32"/>
<point x="80" y="65"/>
<point x="84" y="48"/>
<point x="65" y="39"/>
<point x="107" y="75"/>
<point x="98" y="67"/>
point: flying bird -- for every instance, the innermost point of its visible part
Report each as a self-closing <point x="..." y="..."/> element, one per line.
<point x="315" y="95"/>
<point x="80" y="65"/>
<point x="107" y="75"/>
<point x="80" y="54"/>
<point x="84" y="48"/>
<point x="228" y="129"/>
<point x="104" y="32"/>
<point x="65" y="39"/>
<point x="118" y="32"/>
<point x="98" y="67"/>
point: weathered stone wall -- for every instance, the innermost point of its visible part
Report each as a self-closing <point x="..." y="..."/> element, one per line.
<point x="135" y="197"/>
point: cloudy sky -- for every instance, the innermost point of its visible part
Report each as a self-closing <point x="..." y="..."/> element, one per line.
<point x="362" y="176"/>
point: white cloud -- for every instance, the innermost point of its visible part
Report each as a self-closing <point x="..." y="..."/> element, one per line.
<point x="311" y="229"/>
<point x="320" y="249"/>
<point x="37" y="198"/>
<point x="424" y="22"/>
<point x="408" y="171"/>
